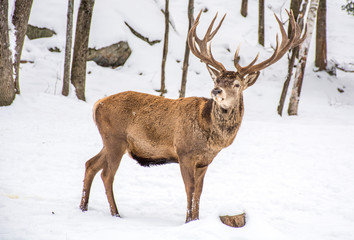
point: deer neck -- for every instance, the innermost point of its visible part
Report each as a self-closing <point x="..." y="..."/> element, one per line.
<point x="225" y="123"/>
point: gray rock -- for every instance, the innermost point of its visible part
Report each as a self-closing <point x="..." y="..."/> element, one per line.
<point x="112" y="56"/>
<point x="34" y="32"/>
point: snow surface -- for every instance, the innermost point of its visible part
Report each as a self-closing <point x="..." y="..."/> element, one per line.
<point x="293" y="176"/>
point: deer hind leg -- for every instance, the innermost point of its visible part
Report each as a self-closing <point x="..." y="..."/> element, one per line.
<point x="188" y="179"/>
<point x="92" y="167"/>
<point x="110" y="167"/>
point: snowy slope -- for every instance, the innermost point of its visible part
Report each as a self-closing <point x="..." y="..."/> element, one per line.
<point x="293" y="176"/>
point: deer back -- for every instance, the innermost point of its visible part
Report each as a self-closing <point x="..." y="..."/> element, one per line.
<point x="155" y="127"/>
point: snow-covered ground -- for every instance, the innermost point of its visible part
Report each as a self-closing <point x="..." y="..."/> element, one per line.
<point x="293" y="176"/>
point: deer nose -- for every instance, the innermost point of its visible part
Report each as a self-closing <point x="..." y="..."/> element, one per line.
<point x="216" y="91"/>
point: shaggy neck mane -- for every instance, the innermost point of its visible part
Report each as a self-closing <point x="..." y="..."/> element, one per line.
<point x="223" y="124"/>
<point x="227" y="120"/>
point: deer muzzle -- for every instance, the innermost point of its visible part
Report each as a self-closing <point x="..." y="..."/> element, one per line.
<point x="218" y="94"/>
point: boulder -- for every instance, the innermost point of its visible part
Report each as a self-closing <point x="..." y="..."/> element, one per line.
<point x="112" y="56"/>
<point x="34" y="32"/>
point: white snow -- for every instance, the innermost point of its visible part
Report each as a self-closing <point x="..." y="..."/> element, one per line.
<point x="293" y="176"/>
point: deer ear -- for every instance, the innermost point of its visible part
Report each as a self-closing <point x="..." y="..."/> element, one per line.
<point x="213" y="73"/>
<point x="250" y="79"/>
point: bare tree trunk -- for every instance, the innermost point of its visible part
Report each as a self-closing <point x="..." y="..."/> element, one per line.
<point x="295" y="7"/>
<point x="261" y="23"/>
<point x="182" y="93"/>
<point x="68" y="46"/>
<point x="291" y="63"/>
<point x="300" y="69"/>
<point x="20" y="21"/>
<point x="165" y="49"/>
<point x="7" y="85"/>
<point x="321" y="38"/>
<point x="78" y="69"/>
<point x="244" y="8"/>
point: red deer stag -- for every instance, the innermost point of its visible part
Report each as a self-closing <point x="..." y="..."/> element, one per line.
<point x="189" y="131"/>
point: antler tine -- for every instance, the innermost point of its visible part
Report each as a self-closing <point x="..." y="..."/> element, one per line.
<point x="284" y="37"/>
<point x="204" y="51"/>
<point x="203" y="42"/>
<point x="279" y="51"/>
<point x="248" y="69"/>
<point x="297" y="43"/>
<point x="237" y="66"/>
<point x="297" y="30"/>
<point x="192" y="31"/>
<point x="207" y="34"/>
<point x="192" y="37"/>
<point x="212" y="57"/>
<point x="295" y="27"/>
<point x="217" y="28"/>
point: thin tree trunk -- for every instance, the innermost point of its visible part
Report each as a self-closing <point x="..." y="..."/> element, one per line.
<point x="295" y="7"/>
<point x="261" y="23"/>
<point x="78" y="69"/>
<point x="300" y="69"/>
<point x="244" y="8"/>
<point x="321" y="38"/>
<point x="20" y="21"/>
<point x="182" y="93"/>
<point x="68" y="46"/>
<point x="165" y="50"/>
<point x="291" y="63"/>
<point x="7" y="85"/>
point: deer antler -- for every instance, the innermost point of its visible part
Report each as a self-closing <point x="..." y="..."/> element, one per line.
<point x="204" y="52"/>
<point x="285" y="45"/>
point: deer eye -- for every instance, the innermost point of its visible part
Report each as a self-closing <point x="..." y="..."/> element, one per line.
<point x="237" y="85"/>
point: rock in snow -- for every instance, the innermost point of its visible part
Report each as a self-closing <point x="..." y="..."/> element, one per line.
<point x="113" y="56"/>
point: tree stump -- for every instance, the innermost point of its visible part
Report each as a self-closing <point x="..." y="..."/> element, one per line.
<point x="234" y="221"/>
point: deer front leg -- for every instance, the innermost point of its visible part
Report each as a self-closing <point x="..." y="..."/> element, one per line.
<point x="199" y="173"/>
<point x="193" y="177"/>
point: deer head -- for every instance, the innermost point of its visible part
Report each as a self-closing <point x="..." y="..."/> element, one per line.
<point x="229" y="85"/>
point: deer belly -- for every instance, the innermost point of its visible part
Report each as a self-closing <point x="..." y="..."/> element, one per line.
<point x="148" y="153"/>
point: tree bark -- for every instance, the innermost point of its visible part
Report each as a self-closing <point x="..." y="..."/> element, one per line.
<point x="291" y="63"/>
<point x="261" y="23"/>
<point x="7" y="85"/>
<point x="244" y="8"/>
<point x="165" y="49"/>
<point x="78" y="69"/>
<point x="295" y="5"/>
<point x="300" y="69"/>
<point x="68" y="46"/>
<point x="182" y="92"/>
<point x="20" y="21"/>
<point x="321" y="38"/>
